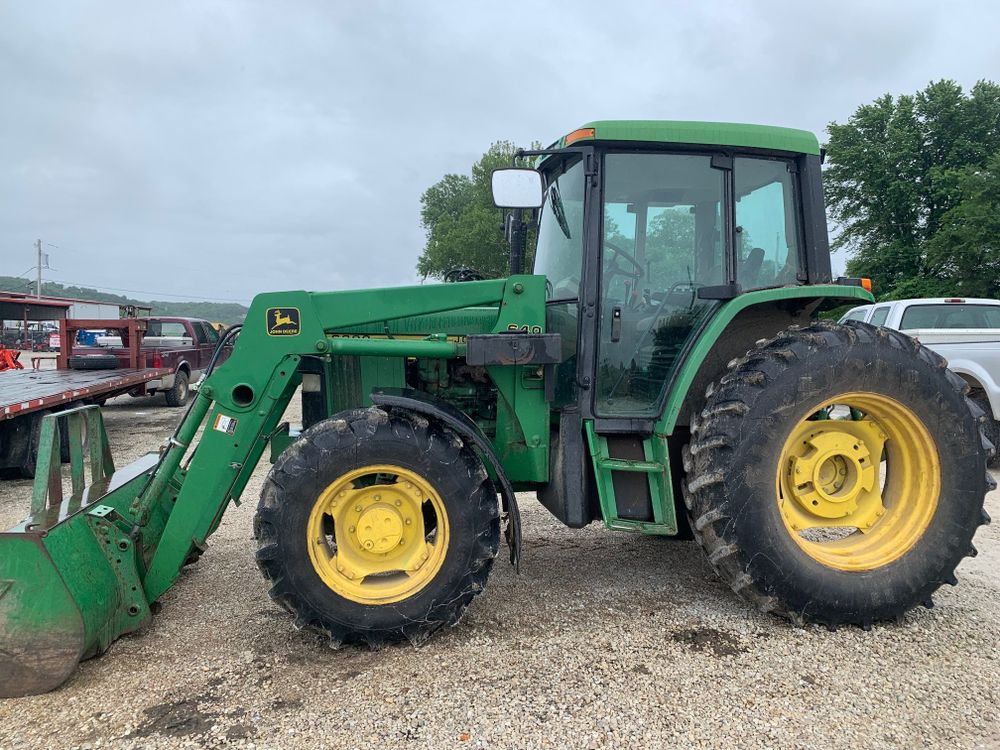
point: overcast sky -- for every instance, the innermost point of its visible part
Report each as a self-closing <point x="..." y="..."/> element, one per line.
<point x="216" y="149"/>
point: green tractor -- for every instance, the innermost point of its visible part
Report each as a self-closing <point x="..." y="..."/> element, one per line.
<point x="662" y="371"/>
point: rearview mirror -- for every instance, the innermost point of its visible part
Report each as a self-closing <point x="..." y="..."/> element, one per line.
<point x="514" y="187"/>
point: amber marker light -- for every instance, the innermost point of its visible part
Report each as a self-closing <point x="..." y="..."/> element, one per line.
<point x="578" y="135"/>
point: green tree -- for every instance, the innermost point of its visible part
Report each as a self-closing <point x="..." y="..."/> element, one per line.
<point x="896" y="169"/>
<point x="670" y="243"/>
<point x="963" y="257"/>
<point x="463" y="226"/>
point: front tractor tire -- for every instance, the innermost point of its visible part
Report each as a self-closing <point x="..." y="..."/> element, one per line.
<point x="837" y="475"/>
<point x="376" y="527"/>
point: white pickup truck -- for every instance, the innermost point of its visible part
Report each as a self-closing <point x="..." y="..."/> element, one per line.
<point x="964" y="331"/>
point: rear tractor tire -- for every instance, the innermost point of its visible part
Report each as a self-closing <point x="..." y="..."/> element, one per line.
<point x="376" y="527"/>
<point x="837" y="475"/>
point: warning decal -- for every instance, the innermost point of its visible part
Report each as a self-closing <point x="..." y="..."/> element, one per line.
<point x="225" y="424"/>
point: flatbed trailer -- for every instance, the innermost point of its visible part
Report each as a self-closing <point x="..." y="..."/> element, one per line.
<point x="27" y="395"/>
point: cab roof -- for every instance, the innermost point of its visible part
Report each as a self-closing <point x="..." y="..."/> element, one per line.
<point x="698" y="133"/>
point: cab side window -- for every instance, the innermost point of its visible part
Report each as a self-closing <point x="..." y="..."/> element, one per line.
<point x="767" y="223"/>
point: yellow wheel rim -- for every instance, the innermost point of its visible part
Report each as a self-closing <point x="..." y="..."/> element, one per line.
<point x="858" y="481"/>
<point x="378" y="534"/>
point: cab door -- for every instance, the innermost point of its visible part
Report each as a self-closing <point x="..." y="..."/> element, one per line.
<point x="673" y="224"/>
<point x="663" y="238"/>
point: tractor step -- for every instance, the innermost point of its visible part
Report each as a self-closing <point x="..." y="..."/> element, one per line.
<point x="633" y="481"/>
<point x="624" y="464"/>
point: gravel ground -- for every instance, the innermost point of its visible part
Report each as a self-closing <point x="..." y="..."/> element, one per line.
<point x="604" y="640"/>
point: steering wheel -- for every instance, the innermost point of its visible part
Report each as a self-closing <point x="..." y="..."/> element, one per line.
<point x="619" y="252"/>
<point x="614" y="270"/>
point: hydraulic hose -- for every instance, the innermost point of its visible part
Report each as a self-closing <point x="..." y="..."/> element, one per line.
<point x="230" y="334"/>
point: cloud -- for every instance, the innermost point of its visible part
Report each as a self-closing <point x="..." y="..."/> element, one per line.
<point x="225" y="148"/>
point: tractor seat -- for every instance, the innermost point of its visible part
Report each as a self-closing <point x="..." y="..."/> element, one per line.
<point x="750" y="268"/>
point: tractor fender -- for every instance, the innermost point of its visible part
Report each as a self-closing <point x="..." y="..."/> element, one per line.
<point x="435" y="408"/>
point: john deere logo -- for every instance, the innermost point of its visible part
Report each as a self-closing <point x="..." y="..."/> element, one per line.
<point x="283" y="321"/>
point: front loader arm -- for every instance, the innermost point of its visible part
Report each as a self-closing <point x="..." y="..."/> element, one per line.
<point x="245" y="399"/>
<point x="226" y="455"/>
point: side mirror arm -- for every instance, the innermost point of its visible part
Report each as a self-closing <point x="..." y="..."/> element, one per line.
<point x="516" y="231"/>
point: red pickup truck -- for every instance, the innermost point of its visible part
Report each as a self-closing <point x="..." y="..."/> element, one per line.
<point x="182" y="345"/>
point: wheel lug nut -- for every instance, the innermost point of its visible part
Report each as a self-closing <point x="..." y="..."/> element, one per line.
<point x="408" y="521"/>
<point x="398" y="503"/>
<point x="357" y="508"/>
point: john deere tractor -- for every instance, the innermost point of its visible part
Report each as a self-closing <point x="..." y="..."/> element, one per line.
<point x="661" y="371"/>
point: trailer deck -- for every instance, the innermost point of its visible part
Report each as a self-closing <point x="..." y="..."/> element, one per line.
<point x="25" y="391"/>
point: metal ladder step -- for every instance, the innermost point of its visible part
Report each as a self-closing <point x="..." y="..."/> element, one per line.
<point x="624" y="464"/>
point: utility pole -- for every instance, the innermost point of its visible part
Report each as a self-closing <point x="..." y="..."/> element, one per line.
<point x="38" y="283"/>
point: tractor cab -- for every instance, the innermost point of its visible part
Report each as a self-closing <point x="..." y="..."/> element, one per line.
<point x="643" y="233"/>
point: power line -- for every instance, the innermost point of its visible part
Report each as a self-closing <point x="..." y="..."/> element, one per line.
<point x="187" y="297"/>
<point x="22" y="276"/>
<point x="145" y="291"/>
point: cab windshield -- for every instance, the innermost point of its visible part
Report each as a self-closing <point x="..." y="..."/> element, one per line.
<point x="559" y="252"/>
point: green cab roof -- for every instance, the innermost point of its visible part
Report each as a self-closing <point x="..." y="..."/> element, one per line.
<point x="699" y="133"/>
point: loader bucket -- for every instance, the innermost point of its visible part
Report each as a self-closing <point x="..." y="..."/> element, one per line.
<point x="70" y="580"/>
<point x="41" y="625"/>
